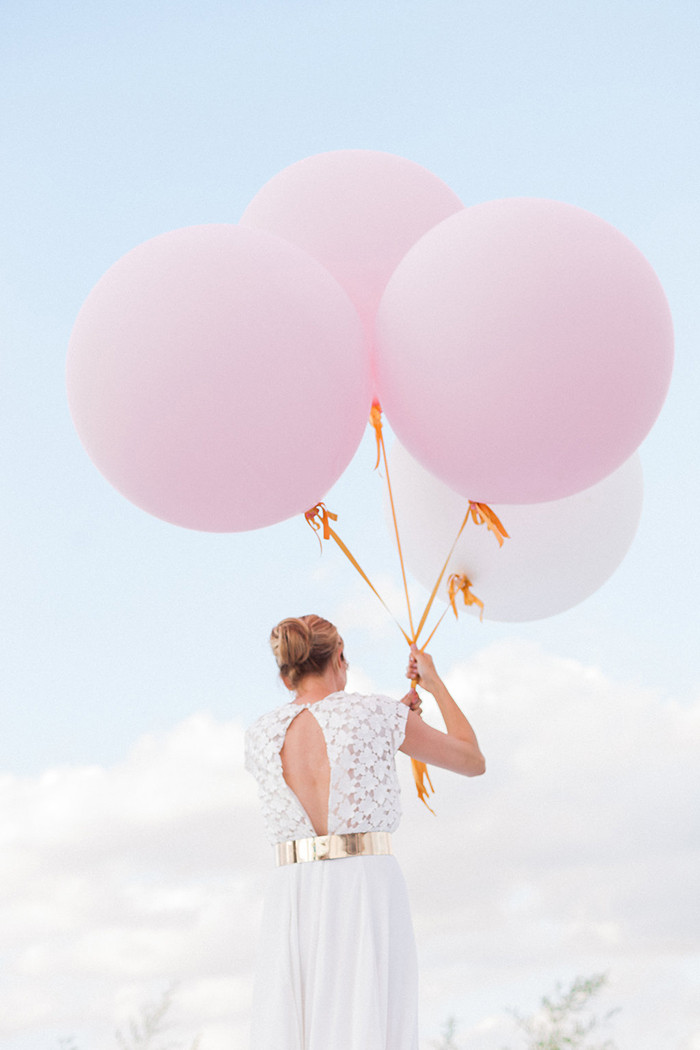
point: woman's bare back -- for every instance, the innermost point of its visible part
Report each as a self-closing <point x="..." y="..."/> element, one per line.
<point x="306" y="768"/>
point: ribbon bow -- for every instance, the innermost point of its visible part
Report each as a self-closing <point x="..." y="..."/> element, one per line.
<point x="481" y="514"/>
<point x="460" y="584"/>
<point x="320" y="517"/>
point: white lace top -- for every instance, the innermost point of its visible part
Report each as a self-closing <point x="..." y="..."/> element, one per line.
<point x="362" y="735"/>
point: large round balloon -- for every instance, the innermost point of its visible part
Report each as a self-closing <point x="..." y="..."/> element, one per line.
<point x="557" y="555"/>
<point x="219" y="378"/>
<point x="524" y="348"/>
<point x="357" y="211"/>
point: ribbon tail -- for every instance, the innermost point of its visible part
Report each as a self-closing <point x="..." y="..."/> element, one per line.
<point x="420" y="775"/>
<point x="375" y="418"/>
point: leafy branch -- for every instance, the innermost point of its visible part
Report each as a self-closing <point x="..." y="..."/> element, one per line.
<point x="145" y="1032"/>
<point x="564" y="1020"/>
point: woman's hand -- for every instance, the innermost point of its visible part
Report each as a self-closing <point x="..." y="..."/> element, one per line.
<point x="412" y="700"/>
<point x="421" y="669"/>
<point x="458" y="748"/>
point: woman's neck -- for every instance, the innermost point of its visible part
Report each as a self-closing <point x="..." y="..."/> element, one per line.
<point x="316" y="687"/>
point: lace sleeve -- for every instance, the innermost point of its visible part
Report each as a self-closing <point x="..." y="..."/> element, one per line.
<point x="396" y="713"/>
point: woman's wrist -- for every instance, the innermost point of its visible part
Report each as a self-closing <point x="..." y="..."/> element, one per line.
<point x="434" y="686"/>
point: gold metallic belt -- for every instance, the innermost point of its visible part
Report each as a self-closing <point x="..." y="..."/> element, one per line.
<point x="333" y="847"/>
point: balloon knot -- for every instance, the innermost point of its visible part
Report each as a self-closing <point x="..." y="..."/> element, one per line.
<point x="460" y="584"/>
<point x="482" y="514"/>
<point x="319" y="519"/>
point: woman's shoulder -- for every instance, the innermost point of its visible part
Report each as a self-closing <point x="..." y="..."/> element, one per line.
<point x="366" y="699"/>
<point x="381" y="715"/>
<point x="266" y="722"/>
<point x="381" y="699"/>
<point x="278" y="716"/>
<point x="377" y="704"/>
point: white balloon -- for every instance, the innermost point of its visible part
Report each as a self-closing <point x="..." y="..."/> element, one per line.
<point x="557" y="555"/>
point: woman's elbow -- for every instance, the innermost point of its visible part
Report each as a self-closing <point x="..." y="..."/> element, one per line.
<point x="475" y="766"/>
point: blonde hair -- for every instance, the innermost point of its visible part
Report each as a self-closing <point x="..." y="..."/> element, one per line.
<point x="303" y="645"/>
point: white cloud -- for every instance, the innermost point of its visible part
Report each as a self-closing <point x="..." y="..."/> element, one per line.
<point x="129" y="876"/>
<point x="577" y="852"/>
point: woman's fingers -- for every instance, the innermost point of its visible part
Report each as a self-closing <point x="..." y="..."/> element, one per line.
<point x="411" y="699"/>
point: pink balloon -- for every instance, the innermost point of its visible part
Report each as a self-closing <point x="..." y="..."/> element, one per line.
<point x="356" y="211"/>
<point x="219" y="378"/>
<point x="524" y="349"/>
<point x="558" y="553"/>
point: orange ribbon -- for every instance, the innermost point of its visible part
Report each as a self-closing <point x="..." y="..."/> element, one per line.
<point x="482" y="514"/>
<point x="420" y="775"/>
<point x="435" y="589"/>
<point x="320" y="518"/>
<point x="375" y="418"/>
<point x="460" y="584"/>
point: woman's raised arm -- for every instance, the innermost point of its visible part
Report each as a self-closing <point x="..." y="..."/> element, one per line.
<point x="457" y="749"/>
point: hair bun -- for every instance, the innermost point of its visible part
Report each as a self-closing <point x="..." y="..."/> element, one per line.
<point x="303" y="645"/>
<point x="293" y="642"/>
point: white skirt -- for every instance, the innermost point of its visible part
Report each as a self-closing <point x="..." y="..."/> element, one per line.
<point x="337" y="965"/>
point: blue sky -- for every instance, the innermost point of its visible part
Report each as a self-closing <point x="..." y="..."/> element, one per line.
<point x="122" y="121"/>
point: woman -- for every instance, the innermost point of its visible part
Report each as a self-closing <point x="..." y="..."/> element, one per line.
<point x="337" y="963"/>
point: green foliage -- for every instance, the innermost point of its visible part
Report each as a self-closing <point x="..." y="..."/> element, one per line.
<point x="564" y="1021"/>
<point x="448" y="1036"/>
<point x="147" y="1031"/>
